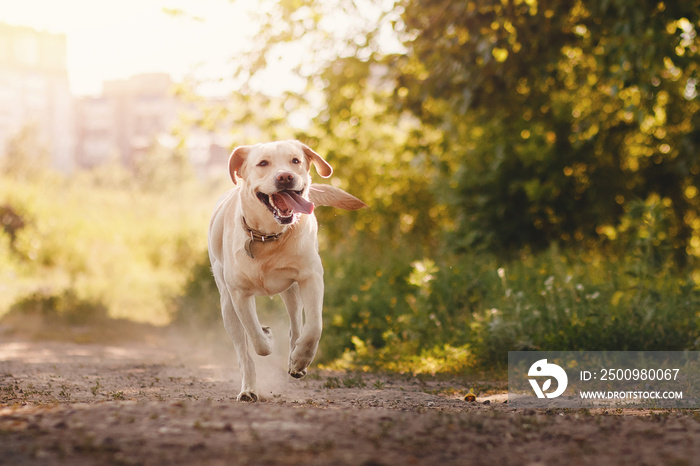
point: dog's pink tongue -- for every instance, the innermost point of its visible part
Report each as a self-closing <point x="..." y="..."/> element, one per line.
<point x="296" y="202"/>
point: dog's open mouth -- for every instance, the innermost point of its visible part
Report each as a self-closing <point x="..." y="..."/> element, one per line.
<point x="286" y="205"/>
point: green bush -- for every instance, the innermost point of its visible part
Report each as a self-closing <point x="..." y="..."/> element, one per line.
<point x="577" y="306"/>
<point x="466" y="312"/>
<point x="64" y="307"/>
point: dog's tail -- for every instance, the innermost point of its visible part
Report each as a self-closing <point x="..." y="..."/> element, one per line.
<point x="325" y="194"/>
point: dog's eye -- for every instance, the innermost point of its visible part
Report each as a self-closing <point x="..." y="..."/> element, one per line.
<point x="263" y="163"/>
<point x="296" y="160"/>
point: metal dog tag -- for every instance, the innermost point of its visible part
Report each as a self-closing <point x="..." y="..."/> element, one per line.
<point x="249" y="248"/>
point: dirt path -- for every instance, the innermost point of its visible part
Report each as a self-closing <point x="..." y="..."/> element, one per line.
<point x="65" y="403"/>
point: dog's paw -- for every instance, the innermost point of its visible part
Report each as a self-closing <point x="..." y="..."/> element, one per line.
<point x="297" y="367"/>
<point x="247" y="396"/>
<point x="297" y="374"/>
<point x="264" y="347"/>
<point x="300" y="359"/>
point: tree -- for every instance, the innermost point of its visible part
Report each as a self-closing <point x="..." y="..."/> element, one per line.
<point x="556" y="114"/>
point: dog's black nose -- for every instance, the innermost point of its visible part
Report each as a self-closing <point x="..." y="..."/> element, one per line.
<point x="285" y="180"/>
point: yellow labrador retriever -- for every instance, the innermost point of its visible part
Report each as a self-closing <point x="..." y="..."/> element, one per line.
<point x="262" y="241"/>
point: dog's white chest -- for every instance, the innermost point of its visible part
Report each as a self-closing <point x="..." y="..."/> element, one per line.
<point x="265" y="275"/>
<point x="268" y="284"/>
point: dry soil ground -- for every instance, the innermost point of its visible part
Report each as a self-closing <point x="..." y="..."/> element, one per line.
<point x="157" y="403"/>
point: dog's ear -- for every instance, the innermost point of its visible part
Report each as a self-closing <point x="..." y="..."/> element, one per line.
<point x="322" y="167"/>
<point x="325" y="194"/>
<point x="235" y="161"/>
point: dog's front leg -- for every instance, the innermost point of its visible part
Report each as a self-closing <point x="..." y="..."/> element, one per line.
<point x="249" y="390"/>
<point x="311" y="291"/>
<point x="235" y="330"/>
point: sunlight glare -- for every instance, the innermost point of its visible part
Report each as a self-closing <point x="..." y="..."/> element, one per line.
<point x="116" y="40"/>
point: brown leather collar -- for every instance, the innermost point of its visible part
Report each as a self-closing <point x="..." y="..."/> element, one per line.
<point x="258" y="236"/>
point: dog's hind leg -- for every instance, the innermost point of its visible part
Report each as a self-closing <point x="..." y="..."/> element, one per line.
<point x="292" y="301"/>
<point x="311" y="294"/>
<point x="260" y="337"/>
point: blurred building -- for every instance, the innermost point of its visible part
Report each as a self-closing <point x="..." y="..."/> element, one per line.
<point x="125" y="121"/>
<point x="208" y="152"/>
<point x="34" y="91"/>
<point x="134" y="115"/>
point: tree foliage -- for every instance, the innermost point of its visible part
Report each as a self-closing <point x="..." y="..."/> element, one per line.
<point x="557" y="114"/>
<point x="529" y="121"/>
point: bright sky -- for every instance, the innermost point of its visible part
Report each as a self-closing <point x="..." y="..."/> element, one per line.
<point x="115" y="39"/>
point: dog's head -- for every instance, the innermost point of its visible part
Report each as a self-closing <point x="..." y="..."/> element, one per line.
<point x="277" y="174"/>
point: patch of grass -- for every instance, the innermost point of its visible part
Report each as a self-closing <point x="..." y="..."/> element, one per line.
<point x="106" y="241"/>
<point x="378" y="385"/>
<point x="65" y="392"/>
<point x="353" y="381"/>
<point x="95" y="388"/>
<point x="348" y="381"/>
<point x="332" y="382"/>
